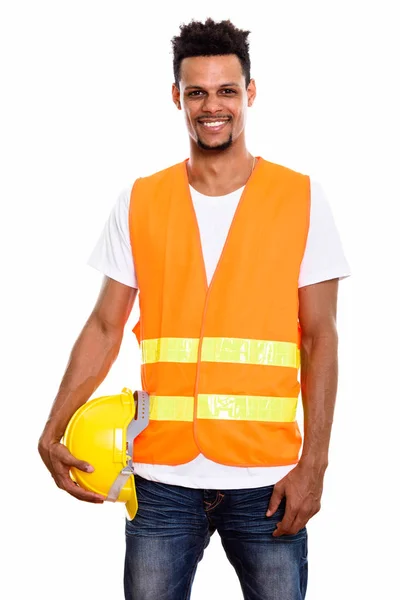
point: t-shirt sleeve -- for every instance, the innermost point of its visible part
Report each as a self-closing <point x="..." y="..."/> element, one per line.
<point x="324" y="257"/>
<point x="112" y="255"/>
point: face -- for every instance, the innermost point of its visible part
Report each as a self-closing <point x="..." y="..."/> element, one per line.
<point x="214" y="99"/>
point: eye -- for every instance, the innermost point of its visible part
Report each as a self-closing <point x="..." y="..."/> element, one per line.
<point x="228" y="90"/>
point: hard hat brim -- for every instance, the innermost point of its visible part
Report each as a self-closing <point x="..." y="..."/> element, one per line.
<point x="132" y="504"/>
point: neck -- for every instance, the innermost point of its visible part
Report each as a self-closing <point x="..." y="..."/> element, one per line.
<point x="219" y="173"/>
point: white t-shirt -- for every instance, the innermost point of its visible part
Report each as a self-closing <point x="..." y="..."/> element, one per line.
<point x="323" y="259"/>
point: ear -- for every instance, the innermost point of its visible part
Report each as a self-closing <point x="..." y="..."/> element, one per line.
<point x="176" y="96"/>
<point x="251" y="92"/>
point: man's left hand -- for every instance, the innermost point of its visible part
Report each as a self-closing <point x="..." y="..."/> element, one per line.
<point x="302" y="487"/>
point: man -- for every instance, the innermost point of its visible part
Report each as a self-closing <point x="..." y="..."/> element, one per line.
<point x="237" y="261"/>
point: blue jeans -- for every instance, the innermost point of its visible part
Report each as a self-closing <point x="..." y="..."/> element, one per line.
<point x="173" y="526"/>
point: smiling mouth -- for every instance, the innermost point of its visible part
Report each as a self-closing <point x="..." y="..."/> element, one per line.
<point x="214" y="126"/>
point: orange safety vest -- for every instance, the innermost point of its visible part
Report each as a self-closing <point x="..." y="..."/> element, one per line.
<point x="220" y="362"/>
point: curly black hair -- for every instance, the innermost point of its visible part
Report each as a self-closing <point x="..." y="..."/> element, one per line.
<point x="210" y="39"/>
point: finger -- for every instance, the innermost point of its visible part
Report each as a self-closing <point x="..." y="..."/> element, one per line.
<point x="275" y="500"/>
<point x="63" y="475"/>
<point x="283" y="527"/>
<point x="66" y="483"/>
<point x="62" y="454"/>
<point x="71" y="461"/>
<point x="81" y="494"/>
<point x="82" y="466"/>
<point x="298" y="524"/>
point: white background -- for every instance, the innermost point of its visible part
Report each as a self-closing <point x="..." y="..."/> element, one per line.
<point x="86" y="108"/>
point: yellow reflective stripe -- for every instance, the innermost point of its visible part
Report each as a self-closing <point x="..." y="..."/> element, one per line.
<point x="224" y="407"/>
<point x="221" y="349"/>
<point x="170" y="350"/>
<point x="246" y="408"/>
<point x="171" y="408"/>
<point x="249" y="352"/>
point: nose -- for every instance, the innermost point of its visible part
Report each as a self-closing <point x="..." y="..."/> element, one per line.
<point x="212" y="103"/>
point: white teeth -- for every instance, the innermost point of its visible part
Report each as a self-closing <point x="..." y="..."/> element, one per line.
<point x="214" y="124"/>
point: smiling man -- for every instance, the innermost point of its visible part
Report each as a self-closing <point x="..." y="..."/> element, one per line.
<point x="237" y="260"/>
<point x="203" y="117"/>
<point x="214" y="94"/>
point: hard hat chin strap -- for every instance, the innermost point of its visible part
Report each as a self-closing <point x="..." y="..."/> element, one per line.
<point x="136" y="426"/>
<point x="119" y="483"/>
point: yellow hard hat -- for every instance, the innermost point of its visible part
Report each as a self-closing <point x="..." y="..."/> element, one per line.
<point x="101" y="432"/>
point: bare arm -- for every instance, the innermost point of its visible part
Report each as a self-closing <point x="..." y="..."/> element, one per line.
<point x="91" y="358"/>
<point x="302" y="487"/>
<point x="319" y="369"/>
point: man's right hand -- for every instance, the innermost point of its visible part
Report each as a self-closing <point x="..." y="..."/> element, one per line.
<point x="93" y="353"/>
<point x="58" y="459"/>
